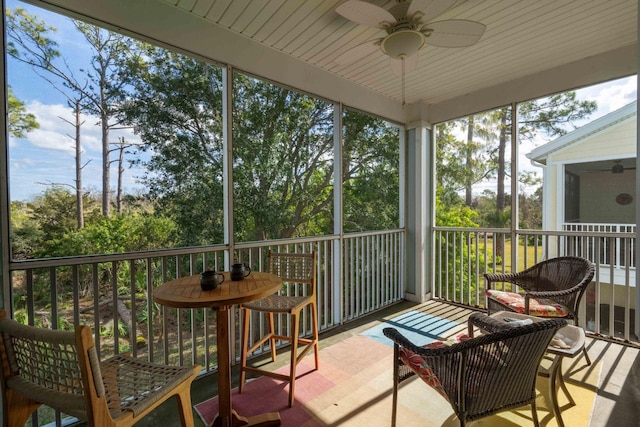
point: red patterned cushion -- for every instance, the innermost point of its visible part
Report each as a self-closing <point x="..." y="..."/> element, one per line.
<point x="418" y="365"/>
<point x="541" y="307"/>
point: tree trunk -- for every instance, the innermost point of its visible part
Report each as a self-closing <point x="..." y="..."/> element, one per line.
<point x="79" y="194"/>
<point x="125" y="315"/>
<point x="502" y="173"/>
<point x="106" y="176"/>
<point x="468" y="163"/>
<point x="121" y="146"/>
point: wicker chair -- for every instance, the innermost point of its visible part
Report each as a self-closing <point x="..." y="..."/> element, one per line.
<point x="61" y="369"/>
<point x="552" y="288"/>
<point x="479" y="376"/>
<point x="297" y="271"/>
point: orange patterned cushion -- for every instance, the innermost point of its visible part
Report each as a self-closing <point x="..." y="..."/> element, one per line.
<point x="541" y="307"/>
<point x="418" y="365"/>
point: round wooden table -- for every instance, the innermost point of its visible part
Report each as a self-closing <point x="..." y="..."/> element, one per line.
<point x="185" y="292"/>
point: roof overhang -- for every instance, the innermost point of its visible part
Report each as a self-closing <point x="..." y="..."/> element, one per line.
<point x="195" y="31"/>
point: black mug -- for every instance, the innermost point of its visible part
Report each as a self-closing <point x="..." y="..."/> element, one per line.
<point x="239" y="271"/>
<point x="210" y="280"/>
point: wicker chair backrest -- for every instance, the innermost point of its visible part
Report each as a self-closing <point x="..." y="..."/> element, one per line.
<point x="44" y="365"/>
<point x="295" y="269"/>
<point x="556" y="274"/>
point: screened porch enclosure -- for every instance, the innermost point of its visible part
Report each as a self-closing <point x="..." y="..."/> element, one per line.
<point x="254" y="139"/>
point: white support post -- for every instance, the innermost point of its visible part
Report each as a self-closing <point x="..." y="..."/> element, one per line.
<point x="420" y="214"/>
<point x="227" y="163"/>
<point x="337" y="279"/>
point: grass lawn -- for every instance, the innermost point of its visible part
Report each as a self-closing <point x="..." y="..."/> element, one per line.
<point x="506" y="259"/>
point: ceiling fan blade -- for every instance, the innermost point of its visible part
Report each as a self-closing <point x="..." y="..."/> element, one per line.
<point x="410" y="64"/>
<point x="431" y="8"/>
<point x="365" y="13"/>
<point x="453" y="33"/>
<point x="358" y="52"/>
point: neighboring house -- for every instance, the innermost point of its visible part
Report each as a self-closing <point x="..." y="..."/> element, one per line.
<point x="589" y="179"/>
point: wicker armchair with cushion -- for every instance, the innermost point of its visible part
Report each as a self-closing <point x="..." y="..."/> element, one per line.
<point x="61" y="369"/>
<point x="551" y="288"/>
<point x="478" y="376"/>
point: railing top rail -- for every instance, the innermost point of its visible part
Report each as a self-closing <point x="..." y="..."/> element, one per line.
<point x="599" y="224"/>
<point x="159" y="253"/>
<point x="122" y="256"/>
<point x="373" y="233"/>
<point x="473" y="229"/>
<point x="283" y="242"/>
<point x="578" y="233"/>
<point x="539" y="232"/>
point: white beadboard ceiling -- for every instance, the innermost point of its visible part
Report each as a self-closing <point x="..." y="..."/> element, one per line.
<point x="526" y="44"/>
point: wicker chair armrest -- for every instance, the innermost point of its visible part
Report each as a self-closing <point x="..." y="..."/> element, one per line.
<point x="486" y="323"/>
<point x="399" y="339"/>
<point x="499" y="277"/>
<point x="552" y="294"/>
<point x="500" y="335"/>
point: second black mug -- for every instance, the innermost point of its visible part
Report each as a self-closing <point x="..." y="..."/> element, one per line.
<point x="239" y="271"/>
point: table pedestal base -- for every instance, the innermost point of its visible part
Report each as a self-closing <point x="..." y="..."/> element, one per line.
<point x="271" y="419"/>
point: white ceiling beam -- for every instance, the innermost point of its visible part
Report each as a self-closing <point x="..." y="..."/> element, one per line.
<point x="596" y="69"/>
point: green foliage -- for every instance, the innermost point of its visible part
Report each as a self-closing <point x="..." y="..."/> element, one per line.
<point x="26" y="235"/>
<point x="453" y="214"/>
<point x="455" y="254"/>
<point x="119" y="233"/>
<point x="282" y="155"/>
<point x="488" y="214"/>
<point x="19" y="122"/>
<point x="46" y="227"/>
<point x="283" y="162"/>
<point x="371" y="173"/>
<point x="27" y="36"/>
<point x="38" y="226"/>
<point x="481" y="155"/>
<point x="553" y="116"/>
<point x="177" y="110"/>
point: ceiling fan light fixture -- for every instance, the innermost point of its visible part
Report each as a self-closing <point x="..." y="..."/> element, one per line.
<point x="402" y="43"/>
<point x="617" y="168"/>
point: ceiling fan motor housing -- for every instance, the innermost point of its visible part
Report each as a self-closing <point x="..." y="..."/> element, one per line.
<point x="402" y="43"/>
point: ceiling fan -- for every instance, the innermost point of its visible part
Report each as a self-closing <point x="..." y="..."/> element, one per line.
<point x="616" y="168"/>
<point x="409" y="26"/>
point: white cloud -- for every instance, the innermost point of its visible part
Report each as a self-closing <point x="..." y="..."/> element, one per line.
<point x="57" y="129"/>
<point x="610" y="96"/>
<point x="47" y="154"/>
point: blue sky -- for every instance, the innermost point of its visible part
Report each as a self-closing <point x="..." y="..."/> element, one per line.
<point x="46" y="156"/>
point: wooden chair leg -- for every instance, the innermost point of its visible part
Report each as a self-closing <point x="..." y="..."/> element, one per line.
<point x="18" y="409"/>
<point x="184" y="406"/>
<point x="246" y="315"/>
<point x="295" y="331"/>
<point x="272" y="340"/>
